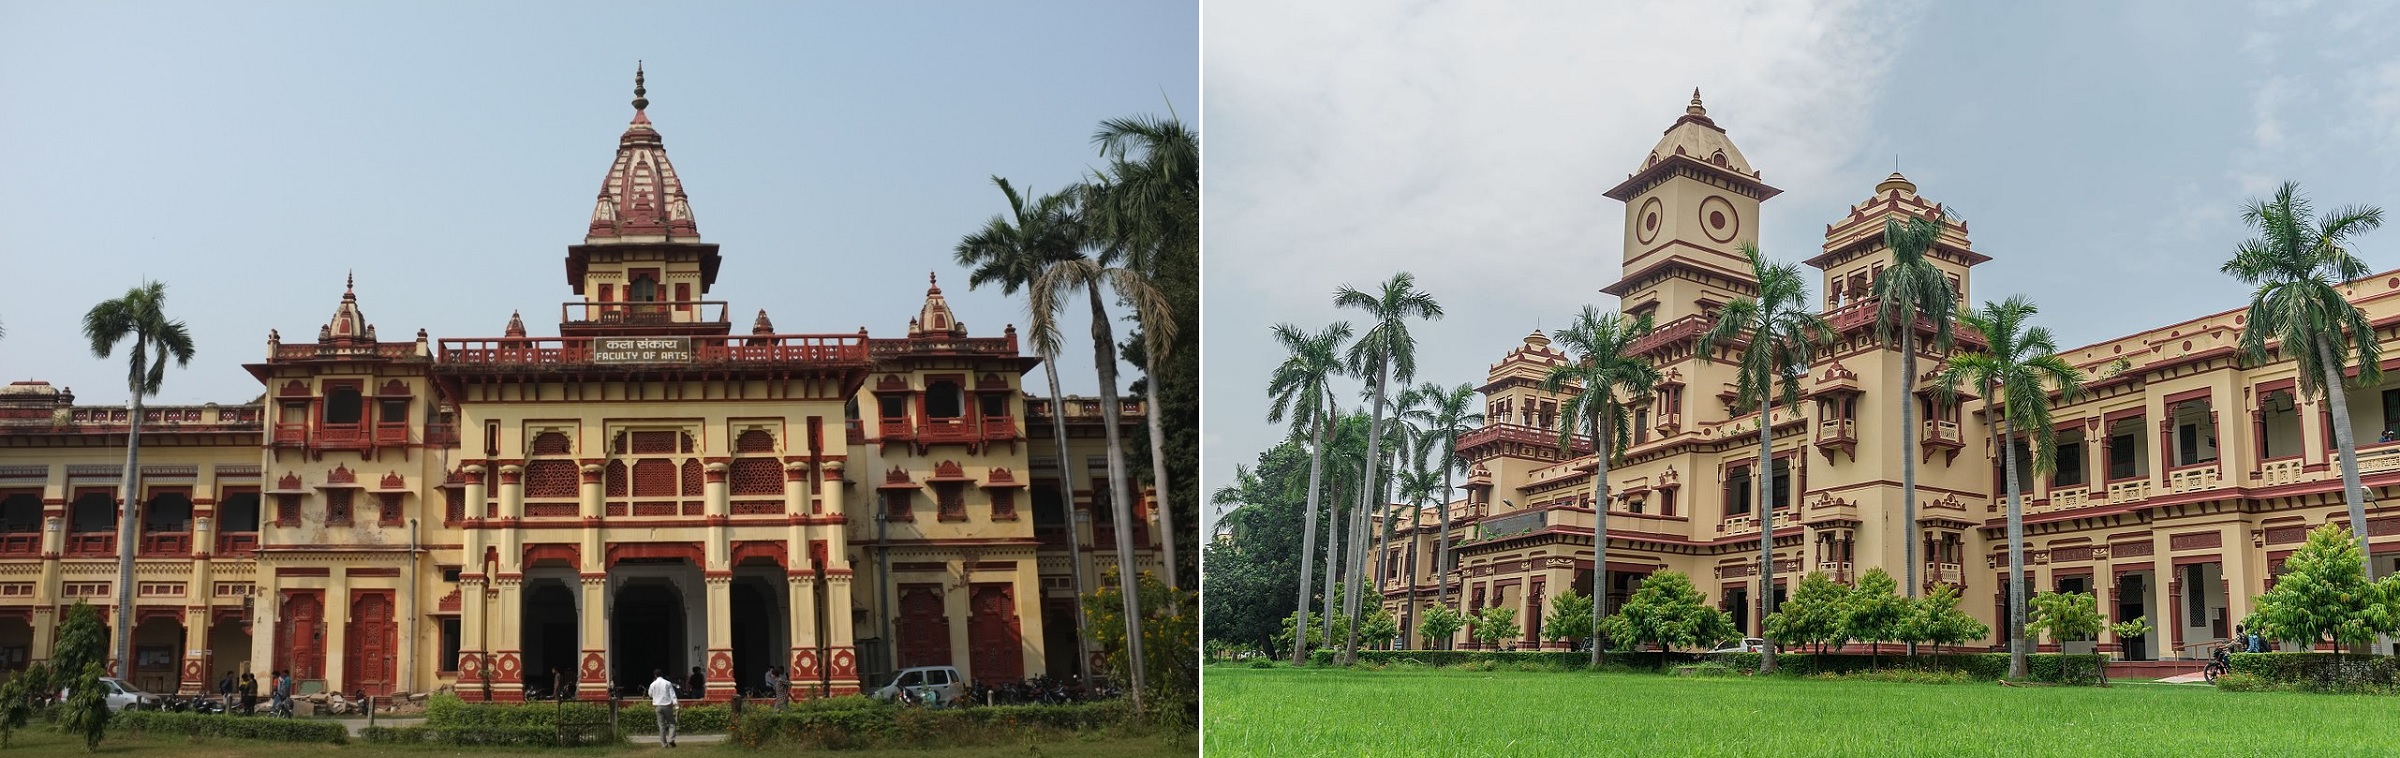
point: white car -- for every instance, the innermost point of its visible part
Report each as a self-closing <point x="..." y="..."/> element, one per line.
<point x="121" y="695"/>
<point x="1748" y="645"/>
<point x="941" y="683"/>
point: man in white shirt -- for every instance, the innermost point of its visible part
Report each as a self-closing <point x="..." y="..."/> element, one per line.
<point x="662" y="698"/>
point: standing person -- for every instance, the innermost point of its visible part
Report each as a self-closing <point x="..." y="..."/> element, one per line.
<point x="662" y="698"/>
<point x="283" y="694"/>
<point x="782" y="685"/>
<point x="697" y="683"/>
<point x="225" y="690"/>
<point x="249" y="690"/>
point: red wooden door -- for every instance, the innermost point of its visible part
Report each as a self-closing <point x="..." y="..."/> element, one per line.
<point x="300" y="636"/>
<point x="369" y="664"/>
<point x="996" y="647"/>
<point x="924" y="630"/>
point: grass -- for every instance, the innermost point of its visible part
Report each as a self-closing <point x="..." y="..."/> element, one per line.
<point x="1409" y="712"/>
<point x="41" y="742"/>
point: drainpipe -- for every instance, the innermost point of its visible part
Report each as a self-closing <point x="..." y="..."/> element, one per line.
<point x="883" y="588"/>
<point x="408" y="674"/>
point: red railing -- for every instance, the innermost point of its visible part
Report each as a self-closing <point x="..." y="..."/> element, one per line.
<point x="940" y="430"/>
<point x="642" y="313"/>
<point x="894" y="429"/>
<point x="1520" y="433"/>
<point x="237" y="543"/>
<point x="342" y="435"/>
<point x="163" y="544"/>
<point x="441" y="435"/>
<point x="855" y="431"/>
<point x="970" y="345"/>
<point x="307" y="350"/>
<point x="1669" y="333"/>
<point x="21" y="543"/>
<point x="88" y="544"/>
<point x="291" y="434"/>
<point x="391" y="434"/>
<point x="999" y="428"/>
<point x="1051" y="535"/>
<point x="708" y="349"/>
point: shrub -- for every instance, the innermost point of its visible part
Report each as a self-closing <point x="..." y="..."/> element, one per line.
<point x="199" y="725"/>
<point x="2057" y="668"/>
<point x="885" y="726"/>
<point x="1711" y="668"/>
<point x="2236" y="681"/>
<point x="1262" y="663"/>
<point x="2320" y="672"/>
<point x="534" y="736"/>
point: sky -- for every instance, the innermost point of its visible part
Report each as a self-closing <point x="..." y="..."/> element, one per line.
<point x="2100" y="154"/>
<point x="252" y="155"/>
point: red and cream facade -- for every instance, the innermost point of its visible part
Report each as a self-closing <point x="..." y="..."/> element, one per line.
<point x="2184" y="478"/>
<point x="648" y="489"/>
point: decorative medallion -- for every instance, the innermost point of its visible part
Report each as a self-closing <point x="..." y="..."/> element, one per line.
<point x="1647" y="229"/>
<point x="1718" y="219"/>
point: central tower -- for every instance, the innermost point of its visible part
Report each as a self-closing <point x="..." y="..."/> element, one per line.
<point x="1688" y="210"/>
<point x="642" y="269"/>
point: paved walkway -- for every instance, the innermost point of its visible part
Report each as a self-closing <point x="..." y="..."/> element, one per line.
<point x="2191" y="678"/>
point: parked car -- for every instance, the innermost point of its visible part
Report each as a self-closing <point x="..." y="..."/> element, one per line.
<point x="941" y="682"/>
<point x="1747" y="645"/>
<point x="121" y="695"/>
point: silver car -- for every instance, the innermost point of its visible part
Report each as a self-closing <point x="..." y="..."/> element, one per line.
<point x="121" y="695"/>
<point x="934" y="685"/>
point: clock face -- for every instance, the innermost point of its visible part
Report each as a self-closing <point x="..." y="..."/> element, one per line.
<point x="1646" y="222"/>
<point x="1719" y="220"/>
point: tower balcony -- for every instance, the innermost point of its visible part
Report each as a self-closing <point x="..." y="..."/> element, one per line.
<point x="586" y="318"/>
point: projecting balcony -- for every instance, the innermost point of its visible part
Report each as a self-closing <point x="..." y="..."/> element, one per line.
<point x="91" y="545"/>
<point x="1943" y="573"/>
<point x="237" y="543"/>
<point x="441" y="435"/>
<point x="1837" y="434"/>
<point x="2061" y="498"/>
<point x="579" y="315"/>
<point x="2288" y="470"/>
<point x="165" y="544"/>
<point x="2129" y="490"/>
<point x="21" y="543"/>
<point x="1838" y="571"/>
<point x="1519" y="434"/>
<point x="2193" y="478"/>
<point x="1942" y="437"/>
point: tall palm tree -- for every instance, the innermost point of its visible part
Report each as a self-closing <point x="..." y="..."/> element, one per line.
<point x="1300" y="388"/>
<point x="1447" y="414"/>
<point x="1233" y="497"/>
<point x="142" y="315"/>
<point x="1404" y="437"/>
<point x="1782" y="335"/>
<point x="1346" y="456"/>
<point x="2297" y="261"/>
<point x="1912" y="289"/>
<point x="2022" y="363"/>
<point x="1610" y="377"/>
<point x="1147" y="203"/>
<point x="1012" y="251"/>
<point x="1387" y="352"/>
<point x="1418" y="486"/>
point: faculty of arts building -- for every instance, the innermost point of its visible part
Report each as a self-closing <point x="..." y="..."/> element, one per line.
<point x="2183" y="478"/>
<point x="649" y="489"/>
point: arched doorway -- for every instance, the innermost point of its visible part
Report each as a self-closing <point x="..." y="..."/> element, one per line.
<point x="758" y="618"/>
<point x="228" y="645"/>
<point x="157" y="659"/>
<point x="549" y="638"/>
<point x="647" y="633"/>
<point x="924" y="630"/>
<point x="369" y="661"/>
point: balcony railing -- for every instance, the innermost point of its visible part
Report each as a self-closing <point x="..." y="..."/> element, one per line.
<point x="21" y="543"/>
<point x="165" y="544"/>
<point x="2193" y="478"/>
<point x="2130" y="490"/>
<point x="1942" y="432"/>
<point x="237" y="543"/>
<point x="894" y="429"/>
<point x="708" y="350"/>
<point x="1838" y="571"/>
<point x="91" y="544"/>
<point x="1519" y="433"/>
<point x="580" y="313"/>
<point x="441" y="435"/>
<point x="2282" y="470"/>
<point x="1837" y="429"/>
<point x="1943" y="573"/>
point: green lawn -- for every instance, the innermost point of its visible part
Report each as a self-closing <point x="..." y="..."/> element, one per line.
<point x="1405" y="712"/>
<point x="40" y="742"/>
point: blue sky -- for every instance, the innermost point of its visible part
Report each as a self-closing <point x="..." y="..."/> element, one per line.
<point x="250" y="155"/>
<point x="2100" y="153"/>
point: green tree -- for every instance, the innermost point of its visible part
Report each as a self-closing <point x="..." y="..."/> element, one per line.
<point x="17" y="699"/>
<point x="1667" y="612"/>
<point x="1254" y="572"/>
<point x="141" y="314"/>
<point x="1813" y="615"/>
<point x="1873" y="611"/>
<point x="1601" y="362"/>
<point x="1780" y="333"/>
<point x="1386" y="352"/>
<point x="2068" y="616"/>
<point x="1935" y="618"/>
<point x="1378" y="626"/>
<point x="1446" y="414"/>
<point x="1418" y="486"/>
<point x="1912" y="290"/>
<point x="2323" y="596"/>
<point x="2298" y="262"/>
<point x="1495" y="624"/>
<point x="1301" y="389"/>
<point x="1012" y="251"/>
<point x="2021" y="364"/>
<point x="1441" y="624"/>
<point x="1171" y="623"/>
<point x="79" y="661"/>
<point x="2139" y="626"/>
<point x="1569" y="620"/>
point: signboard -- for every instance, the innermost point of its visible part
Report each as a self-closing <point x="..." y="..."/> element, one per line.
<point x="642" y="350"/>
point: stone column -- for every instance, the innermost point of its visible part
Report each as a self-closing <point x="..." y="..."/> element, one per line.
<point x="955" y="606"/>
<point x="803" y="662"/>
<point x="841" y="652"/>
<point x="1030" y="626"/>
<point x="197" y="657"/>
<point x="266" y="604"/>
<point x="2169" y="605"/>
<point x="721" y="681"/>
<point x="507" y="660"/>
<point x="592" y="668"/>
<point x="337" y="632"/>
<point x="473" y="662"/>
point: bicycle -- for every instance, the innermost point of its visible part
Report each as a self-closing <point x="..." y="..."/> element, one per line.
<point x="2218" y="664"/>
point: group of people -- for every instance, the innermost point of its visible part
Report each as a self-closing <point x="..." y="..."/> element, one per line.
<point x="279" y="692"/>
<point x="666" y="696"/>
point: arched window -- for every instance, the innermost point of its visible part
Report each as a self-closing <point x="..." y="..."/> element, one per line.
<point x="168" y="512"/>
<point x="944" y="399"/>
<point x="93" y="512"/>
<point x="643" y="290"/>
<point x="21" y="513"/>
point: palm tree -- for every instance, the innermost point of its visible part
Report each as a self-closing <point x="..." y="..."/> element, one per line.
<point x="1012" y="251"/>
<point x="1912" y="289"/>
<point x="1783" y="335"/>
<point x="1300" y="389"/>
<point x="1611" y="376"/>
<point x="1446" y="414"/>
<point x="1388" y="352"/>
<point x="1147" y="204"/>
<point x="1417" y="486"/>
<point x="142" y="315"/>
<point x="1405" y="437"/>
<point x="2297" y="262"/>
<point x="1346" y="455"/>
<point x="2022" y="363"/>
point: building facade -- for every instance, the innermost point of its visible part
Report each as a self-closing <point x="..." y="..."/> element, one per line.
<point x="649" y="489"/>
<point x="2182" y="478"/>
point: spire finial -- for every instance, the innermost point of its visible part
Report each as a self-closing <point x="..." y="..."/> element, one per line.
<point x="1696" y="108"/>
<point x="639" y="101"/>
<point x="350" y="285"/>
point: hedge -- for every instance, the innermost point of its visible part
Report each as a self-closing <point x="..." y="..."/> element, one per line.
<point x="538" y="736"/>
<point x="634" y="716"/>
<point x="1548" y="659"/>
<point x="2320" y="672"/>
<point x="2056" y="668"/>
<point x="887" y="726"/>
<point x="248" y="728"/>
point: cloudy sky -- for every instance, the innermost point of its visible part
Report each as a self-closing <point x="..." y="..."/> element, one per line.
<point x="2100" y="155"/>
<point x="250" y="155"/>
